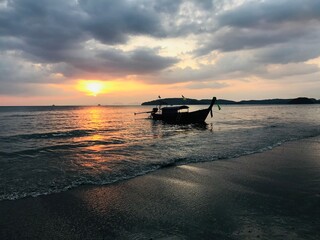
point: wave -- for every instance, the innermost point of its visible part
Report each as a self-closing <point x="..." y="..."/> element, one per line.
<point x="35" y="151"/>
<point x="56" y="134"/>
<point x="131" y="171"/>
<point x="18" y="116"/>
<point x="47" y="135"/>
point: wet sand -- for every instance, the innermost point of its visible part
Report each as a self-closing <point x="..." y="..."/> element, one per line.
<point x="269" y="195"/>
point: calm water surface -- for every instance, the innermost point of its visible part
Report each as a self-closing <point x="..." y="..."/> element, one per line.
<point x="51" y="149"/>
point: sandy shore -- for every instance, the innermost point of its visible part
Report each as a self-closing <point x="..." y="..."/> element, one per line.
<point x="270" y="195"/>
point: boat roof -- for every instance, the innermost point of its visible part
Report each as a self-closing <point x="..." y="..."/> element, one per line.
<point x="176" y="108"/>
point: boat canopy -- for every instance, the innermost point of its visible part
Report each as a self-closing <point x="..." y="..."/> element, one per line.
<point x="174" y="109"/>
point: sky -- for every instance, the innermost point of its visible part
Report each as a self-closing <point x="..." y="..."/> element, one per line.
<point x="84" y="52"/>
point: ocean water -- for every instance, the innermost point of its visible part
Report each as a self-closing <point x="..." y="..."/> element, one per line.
<point x="51" y="149"/>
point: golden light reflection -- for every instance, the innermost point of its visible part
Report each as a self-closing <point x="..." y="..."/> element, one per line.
<point x="94" y="120"/>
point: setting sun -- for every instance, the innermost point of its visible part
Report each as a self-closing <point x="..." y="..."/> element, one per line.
<point x="93" y="88"/>
<point x="98" y="87"/>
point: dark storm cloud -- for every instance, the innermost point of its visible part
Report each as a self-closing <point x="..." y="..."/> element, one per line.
<point x="118" y="63"/>
<point x="272" y="12"/>
<point x="80" y="38"/>
<point x="288" y="52"/>
<point x="285" y="33"/>
<point x="19" y="77"/>
<point x="235" y="66"/>
<point x="237" y="39"/>
<point x="167" y="6"/>
<point x="12" y="69"/>
<point x="112" y="21"/>
<point x="48" y="31"/>
<point x="140" y="61"/>
<point x="42" y="25"/>
<point x="258" y="24"/>
<point x="55" y="34"/>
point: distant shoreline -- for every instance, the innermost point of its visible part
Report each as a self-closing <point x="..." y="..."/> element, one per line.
<point x="190" y="101"/>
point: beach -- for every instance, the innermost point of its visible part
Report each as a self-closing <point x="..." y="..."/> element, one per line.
<point x="270" y="195"/>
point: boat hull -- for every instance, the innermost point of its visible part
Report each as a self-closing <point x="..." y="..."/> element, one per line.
<point x="173" y="115"/>
<point x="184" y="117"/>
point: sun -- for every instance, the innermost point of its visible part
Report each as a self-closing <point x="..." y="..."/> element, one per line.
<point x="92" y="88"/>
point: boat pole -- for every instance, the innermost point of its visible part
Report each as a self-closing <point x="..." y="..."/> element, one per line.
<point x="211" y="105"/>
<point x="142" y="112"/>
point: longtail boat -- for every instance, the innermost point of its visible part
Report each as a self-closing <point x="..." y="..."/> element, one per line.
<point x="181" y="114"/>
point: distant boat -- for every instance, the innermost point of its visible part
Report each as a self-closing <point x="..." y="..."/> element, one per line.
<point x="181" y="114"/>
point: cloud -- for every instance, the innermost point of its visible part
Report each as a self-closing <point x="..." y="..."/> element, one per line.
<point x="92" y="40"/>
<point x="167" y="6"/>
<point x="46" y="29"/>
<point x="236" y="66"/>
<point x="25" y="72"/>
<point x="259" y="24"/>
<point x="230" y="39"/>
<point x="288" y="70"/>
<point x="139" y="61"/>
<point x="43" y="25"/>
<point x="205" y="85"/>
<point x="19" y="77"/>
<point x="56" y="34"/>
<point x="228" y="66"/>
<point x="289" y="52"/>
<point x="112" y="22"/>
<point x="270" y="13"/>
<point x="114" y="62"/>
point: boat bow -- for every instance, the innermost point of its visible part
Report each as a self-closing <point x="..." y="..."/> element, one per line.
<point x="211" y="105"/>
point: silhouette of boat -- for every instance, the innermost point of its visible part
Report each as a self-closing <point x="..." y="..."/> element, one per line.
<point x="181" y="114"/>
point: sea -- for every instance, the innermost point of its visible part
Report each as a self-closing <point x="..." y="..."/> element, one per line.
<point x="50" y="149"/>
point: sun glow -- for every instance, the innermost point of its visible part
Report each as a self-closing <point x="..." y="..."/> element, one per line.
<point x="98" y="87"/>
<point x="93" y="88"/>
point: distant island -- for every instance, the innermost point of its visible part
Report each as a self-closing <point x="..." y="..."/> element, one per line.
<point x="190" y="101"/>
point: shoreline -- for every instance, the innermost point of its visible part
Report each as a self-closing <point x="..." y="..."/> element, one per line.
<point x="269" y="195"/>
<point x="164" y="166"/>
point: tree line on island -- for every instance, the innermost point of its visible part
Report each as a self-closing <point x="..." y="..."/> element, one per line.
<point x="190" y="101"/>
